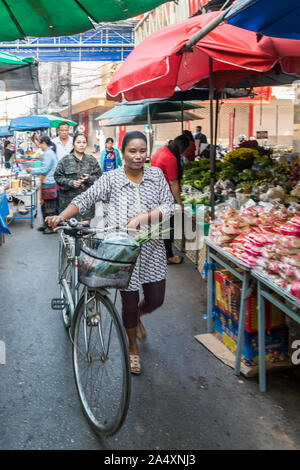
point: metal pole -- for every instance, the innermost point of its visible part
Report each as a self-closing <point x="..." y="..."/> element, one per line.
<point x="212" y="147"/>
<point x="149" y="130"/>
<point x="182" y="117"/>
<point x="207" y="28"/>
<point x="36" y="104"/>
<point x="69" y="91"/>
<point x="217" y="117"/>
<point x="204" y="31"/>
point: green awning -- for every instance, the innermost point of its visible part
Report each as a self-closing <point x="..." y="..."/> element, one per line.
<point x="155" y="108"/>
<point x="13" y="60"/>
<point x="163" y="118"/>
<point x="42" y="18"/>
<point x="18" y="74"/>
<point x="55" y="121"/>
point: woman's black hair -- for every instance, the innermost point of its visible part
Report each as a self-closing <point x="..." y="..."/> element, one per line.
<point x="109" y="139"/>
<point x="189" y="135"/>
<point x="130" y="136"/>
<point x="77" y="134"/>
<point x="6" y="143"/>
<point x="46" y="140"/>
<point x="178" y="147"/>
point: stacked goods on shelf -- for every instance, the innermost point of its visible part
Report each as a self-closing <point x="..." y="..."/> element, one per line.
<point x="265" y="236"/>
<point x="227" y="308"/>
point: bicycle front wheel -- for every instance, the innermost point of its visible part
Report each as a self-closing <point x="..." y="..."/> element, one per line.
<point x="65" y="272"/>
<point x="101" y="363"/>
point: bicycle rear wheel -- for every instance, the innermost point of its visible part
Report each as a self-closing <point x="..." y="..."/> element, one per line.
<point x="65" y="272"/>
<point x="101" y="363"/>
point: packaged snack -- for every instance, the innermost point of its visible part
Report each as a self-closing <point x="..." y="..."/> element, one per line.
<point x="289" y="242"/>
<point x="290" y="229"/>
<point x="292" y="260"/>
<point x="295" y="289"/>
<point x="269" y="252"/>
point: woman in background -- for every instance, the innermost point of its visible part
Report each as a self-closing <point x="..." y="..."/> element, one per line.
<point x="109" y="158"/>
<point x="48" y="187"/>
<point x="75" y="173"/>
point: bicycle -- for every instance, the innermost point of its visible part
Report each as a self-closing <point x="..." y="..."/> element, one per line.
<point x="100" y="351"/>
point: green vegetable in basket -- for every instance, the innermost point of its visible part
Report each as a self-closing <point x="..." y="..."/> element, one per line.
<point x="126" y="253"/>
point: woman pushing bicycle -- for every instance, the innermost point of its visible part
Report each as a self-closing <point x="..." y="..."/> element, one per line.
<point x="136" y="196"/>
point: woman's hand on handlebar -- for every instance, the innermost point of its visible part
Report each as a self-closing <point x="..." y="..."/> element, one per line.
<point x="53" y="221"/>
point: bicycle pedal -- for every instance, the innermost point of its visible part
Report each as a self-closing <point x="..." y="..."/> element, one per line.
<point x="58" y="304"/>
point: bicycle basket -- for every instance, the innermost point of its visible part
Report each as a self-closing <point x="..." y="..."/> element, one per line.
<point x="108" y="262"/>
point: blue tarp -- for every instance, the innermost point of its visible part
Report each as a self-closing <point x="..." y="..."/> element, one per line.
<point x="4" y="131"/>
<point x="275" y="18"/>
<point x="29" y="123"/>
<point x="4" y="211"/>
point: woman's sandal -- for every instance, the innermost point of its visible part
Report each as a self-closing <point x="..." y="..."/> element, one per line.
<point x="140" y="331"/>
<point x="135" y="364"/>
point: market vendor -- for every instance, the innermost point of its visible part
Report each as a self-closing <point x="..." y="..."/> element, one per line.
<point x="168" y="159"/>
<point x="190" y="152"/>
<point x="75" y="173"/>
<point x="46" y="170"/>
<point x="8" y="153"/>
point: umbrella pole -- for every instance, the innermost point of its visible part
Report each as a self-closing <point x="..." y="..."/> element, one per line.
<point x="149" y="132"/>
<point x="181" y="117"/>
<point x="212" y="146"/>
<point x="217" y="118"/>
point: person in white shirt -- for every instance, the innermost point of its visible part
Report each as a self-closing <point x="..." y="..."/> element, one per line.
<point x="64" y="145"/>
<point x="63" y="142"/>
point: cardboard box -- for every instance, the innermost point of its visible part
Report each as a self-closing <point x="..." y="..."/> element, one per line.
<point x="226" y="330"/>
<point x="228" y="292"/>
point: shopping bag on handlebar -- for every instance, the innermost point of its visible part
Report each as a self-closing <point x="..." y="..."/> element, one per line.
<point x="108" y="262"/>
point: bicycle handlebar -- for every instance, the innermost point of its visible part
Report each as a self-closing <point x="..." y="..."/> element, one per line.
<point x="75" y="226"/>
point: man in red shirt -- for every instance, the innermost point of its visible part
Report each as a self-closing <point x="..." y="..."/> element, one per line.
<point x="168" y="159"/>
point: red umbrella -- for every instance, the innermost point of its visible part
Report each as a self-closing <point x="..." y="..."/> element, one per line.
<point x="156" y="67"/>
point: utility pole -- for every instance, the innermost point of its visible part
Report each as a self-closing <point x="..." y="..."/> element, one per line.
<point x="6" y="111"/>
<point x="36" y="104"/>
<point x="69" y="91"/>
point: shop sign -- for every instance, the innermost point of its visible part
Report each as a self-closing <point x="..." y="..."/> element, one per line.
<point x="262" y="134"/>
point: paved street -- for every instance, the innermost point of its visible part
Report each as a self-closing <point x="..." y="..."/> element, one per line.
<point x="185" y="398"/>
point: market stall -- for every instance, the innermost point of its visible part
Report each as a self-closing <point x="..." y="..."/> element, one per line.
<point x="21" y="193"/>
<point x="26" y="124"/>
<point x="35" y="123"/>
<point x="259" y="244"/>
<point x="21" y="188"/>
<point x="268" y="291"/>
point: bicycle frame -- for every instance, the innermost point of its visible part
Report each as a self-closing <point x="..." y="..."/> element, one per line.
<point x="72" y="252"/>
<point x="96" y="333"/>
